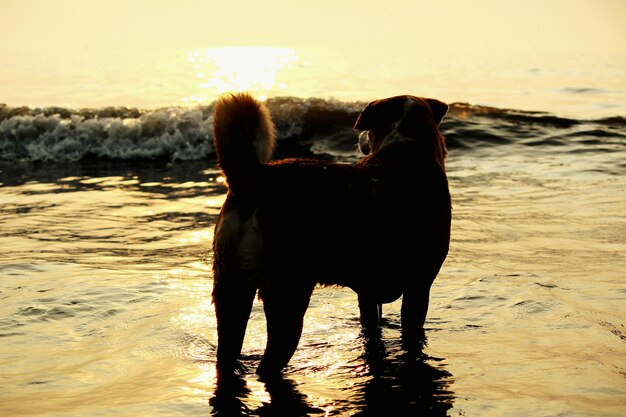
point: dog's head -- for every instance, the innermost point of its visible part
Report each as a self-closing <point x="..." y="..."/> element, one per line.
<point x="403" y="119"/>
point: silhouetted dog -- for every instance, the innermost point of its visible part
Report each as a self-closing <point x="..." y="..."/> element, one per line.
<point x="380" y="226"/>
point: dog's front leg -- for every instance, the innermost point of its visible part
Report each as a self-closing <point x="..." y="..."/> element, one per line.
<point x="284" y="313"/>
<point x="371" y="314"/>
<point x="413" y="314"/>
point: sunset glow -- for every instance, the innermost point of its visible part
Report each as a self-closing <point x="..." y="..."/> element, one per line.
<point x="255" y="69"/>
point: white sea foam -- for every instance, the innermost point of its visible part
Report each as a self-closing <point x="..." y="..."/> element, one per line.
<point x="175" y="133"/>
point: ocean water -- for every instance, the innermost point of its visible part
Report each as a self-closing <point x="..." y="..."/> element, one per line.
<point x="582" y="85"/>
<point x="108" y="201"/>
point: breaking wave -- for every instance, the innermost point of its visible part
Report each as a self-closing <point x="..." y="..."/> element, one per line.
<point x="304" y="125"/>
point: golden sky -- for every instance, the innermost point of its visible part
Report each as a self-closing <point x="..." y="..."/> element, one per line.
<point x="486" y="25"/>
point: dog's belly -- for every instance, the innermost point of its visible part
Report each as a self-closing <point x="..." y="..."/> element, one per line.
<point x="344" y="254"/>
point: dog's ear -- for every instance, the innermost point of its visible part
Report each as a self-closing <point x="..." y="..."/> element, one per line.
<point x="381" y="114"/>
<point x="359" y="125"/>
<point x="364" y="122"/>
<point x="439" y="109"/>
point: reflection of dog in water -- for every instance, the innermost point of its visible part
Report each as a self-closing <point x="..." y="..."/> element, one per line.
<point x="380" y="226"/>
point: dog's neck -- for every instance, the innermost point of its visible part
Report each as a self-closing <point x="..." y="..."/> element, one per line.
<point x="438" y="149"/>
<point x="394" y="137"/>
<point x="401" y="142"/>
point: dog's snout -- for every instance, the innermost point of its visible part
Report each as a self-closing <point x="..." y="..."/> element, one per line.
<point x="364" y="142"/>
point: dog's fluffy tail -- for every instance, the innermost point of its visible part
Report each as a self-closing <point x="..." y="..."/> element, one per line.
<point x="244" y="138"/>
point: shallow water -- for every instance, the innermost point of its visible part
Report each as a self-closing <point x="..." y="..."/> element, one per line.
<point x="106" y="280"/>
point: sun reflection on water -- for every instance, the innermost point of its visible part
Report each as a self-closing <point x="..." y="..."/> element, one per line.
<point x="254" y="69"/>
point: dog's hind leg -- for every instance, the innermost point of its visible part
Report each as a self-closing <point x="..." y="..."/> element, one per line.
<point x="233" y="299"/>
<point x="284" y="313"/>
